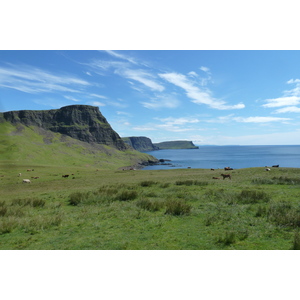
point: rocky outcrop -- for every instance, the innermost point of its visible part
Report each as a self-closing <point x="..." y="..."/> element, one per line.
<point x="140" y="143"/>
<point x="82" y="122"/>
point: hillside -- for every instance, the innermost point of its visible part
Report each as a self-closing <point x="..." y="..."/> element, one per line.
<point x="176" y="145"/>
<point x="140" y="143"/>
<point x="71" y="136"/>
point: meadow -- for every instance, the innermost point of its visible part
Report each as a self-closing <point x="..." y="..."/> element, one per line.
<point x="139" y="209"/>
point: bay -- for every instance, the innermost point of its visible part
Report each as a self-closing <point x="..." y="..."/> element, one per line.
<point x="236" y="157"/>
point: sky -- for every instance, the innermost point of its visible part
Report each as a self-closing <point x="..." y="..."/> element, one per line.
<point x="210" y="97"/>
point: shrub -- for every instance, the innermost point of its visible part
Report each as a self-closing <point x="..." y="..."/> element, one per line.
<point x="38" y="203"/>
<point x="164" y="185"/>
<point x="228" y="239"/>
<point x="253" y="196"/>
<point x="76" y="198"/>
<point x="127" y="195"/>
<point x="147" y="183"/>
<point x="296" y="241"/>
<point x="284" y="214"/>
<point x="150" y="205"/>
<point x="177" y="208"/>
<point x="184" y="182"/>
<point x="3" y="211"/>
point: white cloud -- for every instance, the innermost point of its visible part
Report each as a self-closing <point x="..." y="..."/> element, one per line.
<point x="96" y="103"/>
<point x="198" y="95"/>
<point x="204" y="69"/>
<point x="178" y="121"/>
<point x="141" y="76"/>
<point x="161" y="101"/>
<point x="71" y="98"/>
<point x="288" y="109"/>
<point x="98" y="96"/>
<point x="121" y="56"/>
<point x="193" y="74"/>
<point x="33" y="80"/>
<point x="282" y="101"/>
<point x="259" y="119"/>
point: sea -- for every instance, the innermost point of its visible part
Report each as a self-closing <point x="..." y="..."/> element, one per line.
<point x="236" y="157"/>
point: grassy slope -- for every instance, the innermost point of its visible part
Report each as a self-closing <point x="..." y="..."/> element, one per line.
<point x="34" y="146"/>
<point x="175" y="145"/>
<point x="222" y="215"/>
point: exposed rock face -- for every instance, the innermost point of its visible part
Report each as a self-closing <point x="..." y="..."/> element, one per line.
<point x="140" y="143"/>
<point x="82" y="122"/>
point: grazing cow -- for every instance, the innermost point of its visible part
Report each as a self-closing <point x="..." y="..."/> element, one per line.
<point x="65" y="176"/>
<point x="29" y="170"/>
<point x="26" y="181"/>
<point x="268" y="169"/>
<point x="275" y="166"/>
<point x="228" y="169"/>
<point x="212" y="169"/>
<point x="20" y="174"/>
<point x="216" y="178"/>
<point x="226" y="176"/>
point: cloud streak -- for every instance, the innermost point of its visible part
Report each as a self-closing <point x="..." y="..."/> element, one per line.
<point x="32" y="80"/>
<point x="197" y="95"/>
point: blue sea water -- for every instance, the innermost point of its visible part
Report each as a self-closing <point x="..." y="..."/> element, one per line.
<point x="236" y="157"/>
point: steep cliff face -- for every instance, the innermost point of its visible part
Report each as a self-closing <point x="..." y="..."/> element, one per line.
<point x="82" y="122"/>
<point x="140" y="143"/>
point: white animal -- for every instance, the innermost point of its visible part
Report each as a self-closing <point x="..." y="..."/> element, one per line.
<point x="20" y="174"/>
<point x="268" y="169"/>
<point x="26" y="181"/>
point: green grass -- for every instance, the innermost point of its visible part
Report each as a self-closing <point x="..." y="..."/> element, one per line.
<point x="163" y="209"/>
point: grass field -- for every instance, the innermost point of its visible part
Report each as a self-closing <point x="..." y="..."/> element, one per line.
<point x="162" y="209"/>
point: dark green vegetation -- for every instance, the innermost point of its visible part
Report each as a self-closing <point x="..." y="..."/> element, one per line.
<point x="163" y="209"/>
<point x="176" y="145"/>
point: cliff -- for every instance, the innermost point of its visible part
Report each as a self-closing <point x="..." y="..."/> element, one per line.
<point x="176" y="145"/>
<point x="81" y="122"/>
<point x="140" y="143"/>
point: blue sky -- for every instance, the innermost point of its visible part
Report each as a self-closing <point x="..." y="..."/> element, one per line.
<point x="209" y="97"/>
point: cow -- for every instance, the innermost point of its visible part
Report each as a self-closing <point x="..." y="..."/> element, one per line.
<point x="20" y="174"/>
<point x="65" y="176"/>
<point x="212" y="169"/>
<point x="228" y="169"/>
<point x="216" y="178"/>
<point x="275" y="166"/>
<point x="268" y="169"/>
<point x="26" y="181"/>
<point x="226" y="176"/>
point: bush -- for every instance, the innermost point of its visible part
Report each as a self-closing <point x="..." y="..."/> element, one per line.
<point x="147" y="183"/>
<point x="177" y="208"/>
<point x="253" y="196"/>
<point x="284" y="214"/>
<point x="150" y="205"/>
<point x="228" y="239"/>
<point x="127" y="195"/>
<point x="76" y="198"/>
<point x="296" y="241"/>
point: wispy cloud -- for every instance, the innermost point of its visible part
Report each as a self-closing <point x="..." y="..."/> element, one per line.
<point x="32" y="80"/>
<point x="259" y="119"/>
<point x="288" y="109"/>
<point x="98" y="96"/>
<point x="197" y="95"/>
<point x="282" y="101"/>
<point x="290" y="99"/>
<point x="121" y="56"/>
<point x="142" y="76"/>
<point x="161" y="101"/>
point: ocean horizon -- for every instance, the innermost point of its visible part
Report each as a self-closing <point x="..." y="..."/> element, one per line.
<point x="234" y="156"/>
